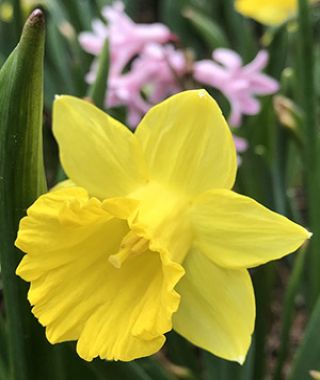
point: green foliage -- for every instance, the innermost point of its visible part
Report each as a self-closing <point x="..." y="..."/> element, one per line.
<point x="97" y="92"/>
<point x="210" y="31"/>
<point x="22" y="177"/>
<point x="307" y="357"/>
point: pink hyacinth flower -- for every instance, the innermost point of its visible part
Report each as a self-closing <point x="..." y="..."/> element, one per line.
<point x="126" y="38"/>
<point x="238" y="83"/>
<point x="92" y="42"/>
<point x="153" y="77"/>
<point x="241" y="145"/>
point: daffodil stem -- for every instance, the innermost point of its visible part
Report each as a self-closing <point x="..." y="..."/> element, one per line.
<point x="277" y="165"/>
<point x="278" y="146"/>
<point x="288" y="311"/>
<point x="312" y="169"/>
<point x="263" y="281"/>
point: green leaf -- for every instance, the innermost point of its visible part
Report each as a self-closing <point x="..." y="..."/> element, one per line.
<point x="66" y="62"/>
<point x="171" y="14"/>
<point x="4" y="374"/>
<point x="73" y="11"/>
<point x="210" y="31"/>
<point x="117" y="370"/>
<point x="76" y="368"/>
<point x="239" y="30"/>
<point x="97" y="92"/>
<point x="155" y="368"/>
<point x="216" y="368"/>
<point x="17" y="18"/>
<point x="22" y="178"/>
<point x="182" y="353"/>
<point x="312" y="141"/>
<point x="307" y="357"/>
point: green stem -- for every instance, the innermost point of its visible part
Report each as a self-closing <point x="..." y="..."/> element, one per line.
<point x="14" y="312"/>
<point x="305" y="44"/>
<point x="289" y="305"/>
<point x="278" y="147"/>
<point x="263" y="283"/>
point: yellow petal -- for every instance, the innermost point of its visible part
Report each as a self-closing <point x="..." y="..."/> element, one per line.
<point x="237" y="232"/>
<point x="217" y="309"/>
<point x="63" y="184"/>
<point x="270" y="12"/>
<point x="162" y="219"/>
<point x="115" y="312"/>
<point x="187" y="143"/>
<point x="97" y="152"/>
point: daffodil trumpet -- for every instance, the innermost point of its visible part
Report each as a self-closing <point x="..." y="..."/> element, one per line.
<point x="147" y="235"/>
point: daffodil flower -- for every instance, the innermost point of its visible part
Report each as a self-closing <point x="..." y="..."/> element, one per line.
<point x="148" y="236"/>
<point x="269" y="12"/>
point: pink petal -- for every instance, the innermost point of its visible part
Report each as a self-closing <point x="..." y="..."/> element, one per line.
<point x="153" y="33"/>
<point x="249" y="105"/>
<point x="258" y="64"/>
<point x="92" y="74"/>
<point x="240" y="143"/>
<point x="234" y="85"/>
<point x="115" y="14"/>
<point x="136" y="109"/>
<point x="262" y="84"/>
<point x="91" y="43"/>
<point x="235" y="116"/>
<point x="100" y="29"/>
<point x="228" y="58"/>
<point x="209" y="73"/>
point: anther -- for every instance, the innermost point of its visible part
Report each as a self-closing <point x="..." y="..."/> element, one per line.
<point x="131" y="245"/>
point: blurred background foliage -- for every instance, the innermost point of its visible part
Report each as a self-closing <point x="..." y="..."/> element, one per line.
<point x="280" y="169"/>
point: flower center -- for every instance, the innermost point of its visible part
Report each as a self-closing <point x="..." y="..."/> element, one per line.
<point x="131" y="245"/>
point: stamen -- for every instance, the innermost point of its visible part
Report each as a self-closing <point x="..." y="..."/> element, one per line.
<point x="119" y="258"/>
<point x="140" y="246"/>
<point x="131" y="245"/>
<point x="129" y="240"/>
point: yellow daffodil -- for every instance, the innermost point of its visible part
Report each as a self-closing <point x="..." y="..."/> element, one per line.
<point x="148" y="235"/>
<point x="269" y="12"/>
